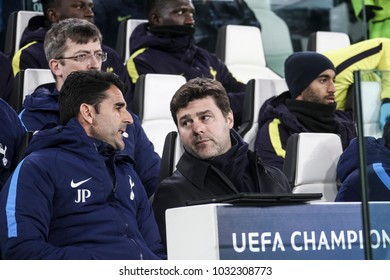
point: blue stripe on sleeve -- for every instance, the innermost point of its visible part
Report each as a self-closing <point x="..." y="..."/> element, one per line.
<point x="10" y="208"/>
<point x="381" y="173"/>
<point x="20" y="118"/>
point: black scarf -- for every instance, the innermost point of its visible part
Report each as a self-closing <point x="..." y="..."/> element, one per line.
<point x="315" y="117"/>
<point x="235" y="165"/>
<point x="168" y="31"/>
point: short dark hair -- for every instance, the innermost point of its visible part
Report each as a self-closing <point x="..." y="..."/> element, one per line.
<point x="80" y="31"/>
<point x="153" y="5"/>
<point x="386" y="133"/>
<point x="85" y="87"/>
<point x="200" y="88"/>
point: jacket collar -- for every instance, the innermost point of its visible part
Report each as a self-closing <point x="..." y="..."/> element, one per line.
<point x="205" y="168"/>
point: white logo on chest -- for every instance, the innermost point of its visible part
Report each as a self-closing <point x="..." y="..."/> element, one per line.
<point x="82" y="194"/>
<point x="3" y="151"/>
<point x="131" y="188"/>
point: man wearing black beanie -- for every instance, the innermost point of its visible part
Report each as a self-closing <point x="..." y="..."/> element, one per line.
<point x="308" y="106"/>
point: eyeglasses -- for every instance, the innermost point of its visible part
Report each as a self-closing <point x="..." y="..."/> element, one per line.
<point x="87" y="57"/>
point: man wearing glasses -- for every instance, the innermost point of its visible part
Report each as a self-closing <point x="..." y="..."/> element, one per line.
<point x="31" y="53"/>
<point x="75" y="45"/>
<point x="76" y="195"/>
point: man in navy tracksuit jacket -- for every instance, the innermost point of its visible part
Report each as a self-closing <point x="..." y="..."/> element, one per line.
<point x="377" y="169"/>
<point x="41" y="108"/>
<point x="308" y="106"/>
<point x="6" y="77"/>
<point x="276" y="116"/>
<point x="167" y="46"/>
<point x="41" y="111"/>
<point x="76" y="195"/>
<point x="31" y="53"/>
<point x="11" y="134"/>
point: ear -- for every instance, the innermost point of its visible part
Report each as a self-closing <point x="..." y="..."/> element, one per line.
<point x="230" y="119"/>
<point x="154" y="19"/>
<point x="54" y="67"/>
<point x="86" y="114"/>
<point x="52" y="15"/>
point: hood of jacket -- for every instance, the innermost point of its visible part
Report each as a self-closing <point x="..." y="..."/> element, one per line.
<point x="63" y="136"/>
<point x="43" y="98"/>
<point x="141" y="38"/>
<point x="375" y="152"/>
<point x="35" y="31"/>
<point x="275" y="107"/>
<point x="71" y="137"/>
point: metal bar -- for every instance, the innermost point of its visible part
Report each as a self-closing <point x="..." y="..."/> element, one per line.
<point x="362" y="167"/>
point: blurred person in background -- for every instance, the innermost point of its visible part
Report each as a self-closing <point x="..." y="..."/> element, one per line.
<point x="377" y="13"/>
<point x="32" y="54"/>
<point x="166" y="45"/>
<point x="110" y="13"/>
<point x="211" y="15"/>
<point x="372" y="54"/>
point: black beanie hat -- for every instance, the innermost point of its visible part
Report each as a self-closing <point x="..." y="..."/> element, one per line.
<point x="301" y="68"/>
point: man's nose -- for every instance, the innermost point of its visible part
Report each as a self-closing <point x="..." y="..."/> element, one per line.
<point x="189" y="19"/>
<point x="88" y="12"/>
<point x="94" y="63"/>
<point x="332" y="87"/>
<point x="198" y="127"/>
<point x="128" y="118"/>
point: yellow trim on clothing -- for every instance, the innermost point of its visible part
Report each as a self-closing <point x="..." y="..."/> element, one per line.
<point x="16" y="58"/>
<point x="130" y="65"/>
<point x="344" y="79"/>
<point x="274" y="135"/>
<point x="213" y="73"/>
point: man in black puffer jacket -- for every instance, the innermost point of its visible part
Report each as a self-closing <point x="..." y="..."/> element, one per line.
<point x="216" y="160"/>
